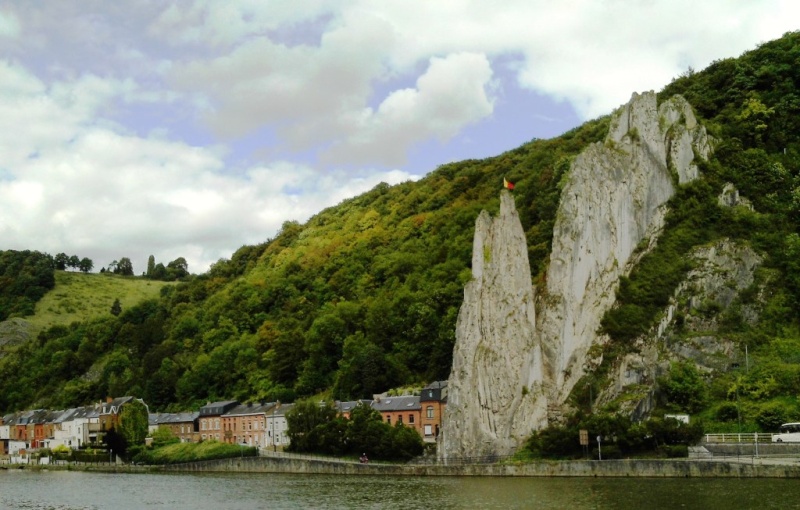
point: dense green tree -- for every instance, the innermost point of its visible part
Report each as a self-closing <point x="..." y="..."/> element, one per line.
<point x="159" y="272"/>
<point x="86" y="264"/>
<point x="116" y="307"/>
<point x="61" y="260"/>
<point x="133" y="422"/>
<point x="25" y="277"/>
<point x="178" y="269"/>
<point x="683" y="388"/>
<point x="151" y="265"/>
<point x="304" y="421"/>
<point x="124" y="267"/>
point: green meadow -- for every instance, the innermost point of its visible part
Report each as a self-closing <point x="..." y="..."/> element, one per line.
<point x="84" y="296"/>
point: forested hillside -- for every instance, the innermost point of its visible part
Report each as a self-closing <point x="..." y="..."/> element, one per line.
<point x="361" y="298"/>
<point x="364" y="296"/>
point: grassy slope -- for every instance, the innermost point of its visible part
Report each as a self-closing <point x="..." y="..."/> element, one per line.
<point x="81" y="297"/>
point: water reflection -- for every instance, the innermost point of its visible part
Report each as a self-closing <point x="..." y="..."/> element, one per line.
<point x="63" y="490"/>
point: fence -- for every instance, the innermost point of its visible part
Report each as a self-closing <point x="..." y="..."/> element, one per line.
<point x="746" y="437"/>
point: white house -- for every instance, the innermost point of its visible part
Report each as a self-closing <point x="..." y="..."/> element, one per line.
<point x="277" y="427"/>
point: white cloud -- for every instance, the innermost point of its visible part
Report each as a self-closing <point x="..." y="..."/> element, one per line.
<point x="450" y="95"/>
<point x="116" y="144"/>
<point x="9" y="24"/>
<point x="74" y="182"/>
<point x="591" y="54"/>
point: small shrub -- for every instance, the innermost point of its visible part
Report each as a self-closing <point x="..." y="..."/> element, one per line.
<point x="727" y="411"/>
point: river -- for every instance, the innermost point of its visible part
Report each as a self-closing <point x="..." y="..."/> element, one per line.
<point x="73" y="490"/>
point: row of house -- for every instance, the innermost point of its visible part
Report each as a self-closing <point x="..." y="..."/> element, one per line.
<point x="73" y="428"/>
<point x="260" y="424"/>
<point x="255" y="424"/>
<point x="264" y="424"/>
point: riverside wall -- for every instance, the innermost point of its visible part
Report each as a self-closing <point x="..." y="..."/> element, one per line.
<point x="611" y="468"/>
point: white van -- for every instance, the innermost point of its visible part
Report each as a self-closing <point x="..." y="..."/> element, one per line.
<point x="789" y="433"/>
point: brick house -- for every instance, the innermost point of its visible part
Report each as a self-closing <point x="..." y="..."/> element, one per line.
<point x="184" y="426"/>
<point x="432" y="400"/>
<point x="108" y="414"/>
<point x="247" y="424"/>
<point x="211" y="419"/>
<point x="404" y="409"/>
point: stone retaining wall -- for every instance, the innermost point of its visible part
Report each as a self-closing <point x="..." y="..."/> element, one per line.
<point x="610" y="468"/>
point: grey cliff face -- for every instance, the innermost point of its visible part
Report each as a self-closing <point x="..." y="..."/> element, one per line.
<point x="512" y="371"/>
<point x="614" y="199"/>
<point x="495" y="358"/>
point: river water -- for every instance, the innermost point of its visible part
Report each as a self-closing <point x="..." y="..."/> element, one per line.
<point x="72" y="490"/>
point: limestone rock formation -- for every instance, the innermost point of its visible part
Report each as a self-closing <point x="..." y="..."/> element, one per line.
<point x="724" y="270"/>
<point x="495" y="362"/>
<point x="510" y="376"/>
<point x="614" y="199"/>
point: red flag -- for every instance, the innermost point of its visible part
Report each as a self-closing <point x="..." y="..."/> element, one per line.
<point x="507" y="184"/>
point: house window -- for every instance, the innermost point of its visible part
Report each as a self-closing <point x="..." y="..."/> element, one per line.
<point x="428" y="430"/>
<point x="429" y="412"/>
<point x="203" y="426"/>
<point x="400" y="418"/>
<point x="410" y="418"/>
<point x="216" y="423"/>
<point x="389" y="420"/>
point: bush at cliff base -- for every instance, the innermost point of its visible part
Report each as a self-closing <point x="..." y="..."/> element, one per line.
<point x="619" y="438"/>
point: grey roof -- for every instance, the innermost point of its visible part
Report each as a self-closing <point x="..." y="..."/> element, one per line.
<point x="28" y="417"/>
<point x="67" y="415"/>
<point x="435" y="391"/>
<point x="282" y="409"/>
<point x="187" y="417"/>
<point x="403" y="403"/>
<point x="154" y="419"/>
<point x="50" y="416"/>
<point x="250" y="409"/>
<point x="114" y="406"/>
<point x="11" y="419"/>
<point x="436" y="385"/>
<point x="85" y="412"/>
<point x="165" y="418"/>
<point x="346" y="407"/>
<point x="217" y="408"/>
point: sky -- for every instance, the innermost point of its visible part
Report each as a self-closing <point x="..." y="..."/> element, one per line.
<point x="189" y="128"/>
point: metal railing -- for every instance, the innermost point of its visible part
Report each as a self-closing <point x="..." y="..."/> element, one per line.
<point x="739" y="437"/>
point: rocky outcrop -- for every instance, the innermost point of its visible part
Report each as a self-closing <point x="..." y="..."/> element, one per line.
<point x="724" y="270"/>
<point x="13" y="332"/>
<point x="510" y="376"/>
<point x="614" y="199"/>
<point x="496" y="364"/>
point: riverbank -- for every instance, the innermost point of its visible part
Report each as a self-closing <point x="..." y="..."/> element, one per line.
<point x="648" y="468"/>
